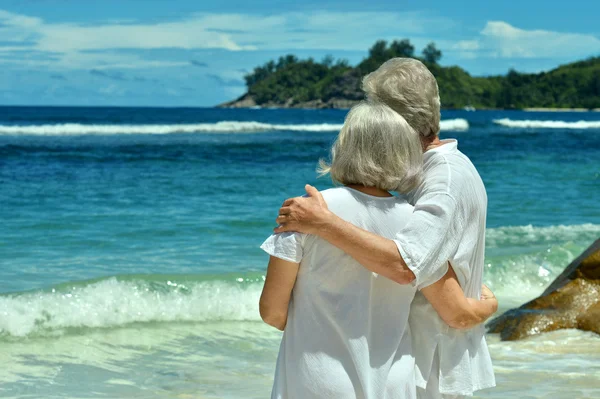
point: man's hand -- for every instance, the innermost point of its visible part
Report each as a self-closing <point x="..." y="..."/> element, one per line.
<point x="486" y="293"/>
<point x="303" y="214"/>
<point x="488" y="296"/>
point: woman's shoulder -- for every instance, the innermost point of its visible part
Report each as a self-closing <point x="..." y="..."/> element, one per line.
<point x="381" y="215"/>
<point x="346" y="197"/>
<point x="335" y="194"/>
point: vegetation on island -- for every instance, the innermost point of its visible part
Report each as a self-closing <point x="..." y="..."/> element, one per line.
<point x="291" y="82"/>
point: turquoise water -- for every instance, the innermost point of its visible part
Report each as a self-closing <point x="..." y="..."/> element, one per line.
<point x="129" y="252"/>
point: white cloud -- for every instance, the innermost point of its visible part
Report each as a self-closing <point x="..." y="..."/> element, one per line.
<point x="320" y="30"/>
<point x="190" y="33"/>
<point x="466" y="45"/>
<point x="186" y="35"/>
<point x="17" y="20"/>
<point x="466" y="49"/>
<point x="502" y="40"/>
<point x="109" y="60"/>
<point x="34" y="42"/>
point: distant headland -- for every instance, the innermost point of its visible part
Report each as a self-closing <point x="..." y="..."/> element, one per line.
<point x="293" y="83"/>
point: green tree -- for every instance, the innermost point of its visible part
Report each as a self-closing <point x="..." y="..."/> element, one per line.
<point x="328" y="61"/>
<point x="431" y="54"/>
<point x="342" y="63"/>
<point x="283" y="62"/>
<point x="401" y="48"/>
<point x="292" y="81"/>
<point x="378" y="51"/>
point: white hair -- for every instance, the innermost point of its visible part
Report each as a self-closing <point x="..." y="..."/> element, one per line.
<point x="376" y="148"/>
<point x="410" y="89"/>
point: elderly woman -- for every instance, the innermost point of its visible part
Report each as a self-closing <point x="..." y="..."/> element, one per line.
<point x="346" y="328"/>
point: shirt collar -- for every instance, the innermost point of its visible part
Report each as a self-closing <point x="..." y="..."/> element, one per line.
<point x="448" y="146"/>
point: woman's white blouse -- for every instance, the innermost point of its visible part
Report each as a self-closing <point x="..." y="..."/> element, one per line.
<point x="448" y="223"/>
<point x="346" y="334"/>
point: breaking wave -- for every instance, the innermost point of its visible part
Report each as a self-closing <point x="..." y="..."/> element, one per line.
<point x="121" y="300"/>
<point x="530" y="235"/>
<point x="218" y="127"/>
<point x="520" y="262"/>
<point x="531" y="124"/>
<point x="458" y="124"/>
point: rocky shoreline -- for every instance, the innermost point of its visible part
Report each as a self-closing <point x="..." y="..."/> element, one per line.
<point x="247" y="101"/>
<point x="571" y="301"/>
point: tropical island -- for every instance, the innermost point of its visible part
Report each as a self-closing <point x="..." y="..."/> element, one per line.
<point x="293" y="83"/>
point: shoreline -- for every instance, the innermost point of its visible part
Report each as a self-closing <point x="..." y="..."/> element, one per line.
<point x="541" y="109"/>
<point x="247" y="101"/>
<point x="350" y="104"/>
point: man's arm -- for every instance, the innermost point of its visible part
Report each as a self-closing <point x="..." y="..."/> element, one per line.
<point x="380" y="255"/>
<point x="449" y="301"/>
<point x="310" y="215"/>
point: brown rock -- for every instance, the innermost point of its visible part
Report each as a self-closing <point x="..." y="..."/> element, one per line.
<point x="590" y="320"/>
<point x="341" y="103"/>
<point x="571" y="301"/>
<point x="590" y="267"/>
<point x="245" y="101"/>
<point x="314" y="104"/>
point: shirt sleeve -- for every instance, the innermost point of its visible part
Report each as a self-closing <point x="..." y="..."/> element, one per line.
<point x="286" y="246"/>
<point x="431" y="237"/>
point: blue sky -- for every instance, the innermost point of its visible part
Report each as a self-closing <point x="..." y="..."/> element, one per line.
<point x="195" y="53"/>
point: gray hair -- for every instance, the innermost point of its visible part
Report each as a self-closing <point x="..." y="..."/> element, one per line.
<point x="410" y="89"/>
<point x="376" y="148"/>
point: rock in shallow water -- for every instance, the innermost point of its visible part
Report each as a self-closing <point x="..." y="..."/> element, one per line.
<point x="571" y="301"/>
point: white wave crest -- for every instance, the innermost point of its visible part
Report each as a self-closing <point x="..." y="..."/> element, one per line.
<point x="536" y="256"/>
<point x="218" y="127"/>
<point x="458" y="124"/>
<point x="112" y="303"/>
<point x="528" y="235"/>
<point x="530" y="124"/>
<point x="521" y="261"/>
<point x="522" y="275"/>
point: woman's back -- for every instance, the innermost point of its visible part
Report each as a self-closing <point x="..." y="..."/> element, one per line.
<point x="346" y="333"/>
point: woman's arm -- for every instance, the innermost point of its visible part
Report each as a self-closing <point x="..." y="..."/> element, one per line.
<point x="276" y="294"/>
<point x="449" y="301"/>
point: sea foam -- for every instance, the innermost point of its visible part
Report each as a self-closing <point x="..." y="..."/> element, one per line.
<point x="546" y="124"/>
<point x="458" y="124"/>
<point x="112" y="302"/>
<point x="118" y="301"/>
<point x="530" y="235"/>
<point x="521" y="261"/>
<point x="218" y="127"/>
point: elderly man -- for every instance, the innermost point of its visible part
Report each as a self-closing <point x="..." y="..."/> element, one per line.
<point x="447" y="226"/>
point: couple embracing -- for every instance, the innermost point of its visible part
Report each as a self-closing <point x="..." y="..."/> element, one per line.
<point x="381" y="296"/>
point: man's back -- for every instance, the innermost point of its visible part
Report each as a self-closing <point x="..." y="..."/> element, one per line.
<point x="449" y="170"/>
<point x="463" y="358"/>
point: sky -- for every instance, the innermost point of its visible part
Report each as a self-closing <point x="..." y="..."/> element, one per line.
<point x="196" y="52"/>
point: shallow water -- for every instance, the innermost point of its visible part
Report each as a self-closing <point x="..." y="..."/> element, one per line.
<point x="129" y="260"/>
<point x="562" y="364"/>
<point x="236" y="360"/>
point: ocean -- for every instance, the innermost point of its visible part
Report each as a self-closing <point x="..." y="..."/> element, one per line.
<point x="129" y="259"/>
